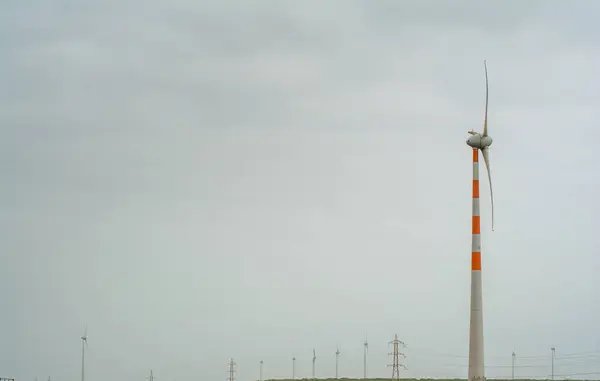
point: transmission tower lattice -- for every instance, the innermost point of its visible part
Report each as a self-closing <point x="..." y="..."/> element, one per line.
<point x="149" y="378"/>
<point x="396" y="364"/>
<point x="231" y="370"/>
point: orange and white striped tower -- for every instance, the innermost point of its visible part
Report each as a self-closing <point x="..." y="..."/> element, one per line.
<point x="476" y="360"/>
<point x="478" y="142"/>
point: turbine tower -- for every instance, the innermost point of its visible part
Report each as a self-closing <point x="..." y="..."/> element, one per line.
<point x="553" y="357"/>
<point x="294" y="368"/>
<point x="83" y="346"/>
<point x="151" y="377"/>
<point x="261" y="366"/>
<point x="314" y="360"/>
<point x="514" y="359"/>
<point x="365" y="350"/>
<point x="478" y="141"/>
<point x="337" y="360"/>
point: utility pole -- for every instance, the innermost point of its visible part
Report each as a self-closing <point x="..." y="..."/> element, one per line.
<point x="396" y="364"/>
<point x="337" y="357"/>
<point x="293" y="368"/>
<point x="231" y="369"/>
<point x="261" y="366"/>
<point x="553" y="355"/>
<point x="514" y="358"/>
<point x="365" y="350"/>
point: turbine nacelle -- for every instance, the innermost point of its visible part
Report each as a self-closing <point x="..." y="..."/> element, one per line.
<point x="476" y="140"/>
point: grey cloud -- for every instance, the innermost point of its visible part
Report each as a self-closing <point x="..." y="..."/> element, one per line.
<point x="199" y="181"/>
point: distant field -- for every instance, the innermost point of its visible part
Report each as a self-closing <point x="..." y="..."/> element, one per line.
<point x="406" y="379"/>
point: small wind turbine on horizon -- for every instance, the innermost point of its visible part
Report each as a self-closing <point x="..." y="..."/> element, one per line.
<point x="294" y="368"/>
<point x="314" y="359"/>
<point x="478" y="141"/>
<point x="151" y="376"/>
<point x="365" y="351"/>
<point x="337" y="358"/>
<point x="84" y="345"/>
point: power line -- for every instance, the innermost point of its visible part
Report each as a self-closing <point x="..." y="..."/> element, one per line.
<point x="551" y="366"/>
<point x="435" y="353"/>
<point x="577" y="374"/>
<point x="498" y="366"/>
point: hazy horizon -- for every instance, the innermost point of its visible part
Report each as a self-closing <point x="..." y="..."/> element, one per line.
<point x="196" y="181"/>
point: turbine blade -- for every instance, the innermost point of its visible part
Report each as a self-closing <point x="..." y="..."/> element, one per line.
<point x="486" y="100"/>
<point x="486" y="158"/>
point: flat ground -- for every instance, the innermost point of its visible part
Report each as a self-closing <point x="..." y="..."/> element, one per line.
<point x="406" y="379"/>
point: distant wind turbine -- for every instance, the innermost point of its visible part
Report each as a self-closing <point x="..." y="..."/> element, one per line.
<point x="366" y="350"/>
<point x="261" y="369"/>
<point x="314" y="360"/>
<point x="84" y="345"/>
<point x="337" y="357"/>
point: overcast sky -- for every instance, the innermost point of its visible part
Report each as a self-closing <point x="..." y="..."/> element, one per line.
<point x="200" y="180"/>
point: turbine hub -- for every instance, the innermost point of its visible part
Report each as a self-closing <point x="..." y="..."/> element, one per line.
<point x="476" y="140"/>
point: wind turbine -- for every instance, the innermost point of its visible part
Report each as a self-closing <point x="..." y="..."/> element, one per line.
<point x="84" y="344"/>
<point x="366" y="349"/>
<point x="314" y="360"/>
<point x="294" y="368"/>
<point x="478" y="141"/>
<point x="261" y="372"/>
<point x="337" y="357"/>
